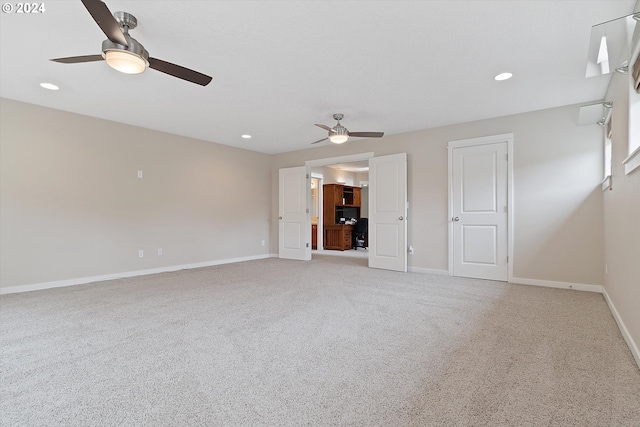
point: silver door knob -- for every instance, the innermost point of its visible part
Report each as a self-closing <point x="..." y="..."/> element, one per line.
<point x="456" y="218"/>
<point x="401" y="218"/>
<point x="279" y="217"/>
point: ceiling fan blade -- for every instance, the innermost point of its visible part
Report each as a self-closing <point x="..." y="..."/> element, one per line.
<point x="105" y="20"/>
<point x="320" y="140"/>
<point x="367" y="134"/>
<point x="180" y="72"/>
<point x="325" y="127"/>
<point x="78" y="59"/>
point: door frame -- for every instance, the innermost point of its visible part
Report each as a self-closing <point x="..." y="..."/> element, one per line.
<point x="328" y="162"/>
<point x="471" y="142"/>
<point x="320" y="236"/>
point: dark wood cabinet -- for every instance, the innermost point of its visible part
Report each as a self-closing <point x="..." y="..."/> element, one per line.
<point x="338" y="236"/>
<point x="339" y="201"/>
<point x="332" y="197"/>
<point x="357" y="197"/>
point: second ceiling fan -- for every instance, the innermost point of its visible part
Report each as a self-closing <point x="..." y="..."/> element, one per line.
<point x="340" y="134"/>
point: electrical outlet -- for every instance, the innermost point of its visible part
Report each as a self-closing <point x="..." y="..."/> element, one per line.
<point x="139" y="174"/>
<point x="263" y="243"/>
<point x="159" y="251"/>
<point x="410" y="250"/>
<point x="140" y="253"/>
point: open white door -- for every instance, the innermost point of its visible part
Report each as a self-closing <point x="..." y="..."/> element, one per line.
<point x="294" y="240"/>
<point x="479" y="209"/>
<point x="388" y="212"/>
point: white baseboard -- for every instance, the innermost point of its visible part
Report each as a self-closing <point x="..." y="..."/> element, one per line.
<point x="428" y="271"/>
<point x="559" y="285"/>
<point x="623" y="328"/>
<point x="84" y="280"/>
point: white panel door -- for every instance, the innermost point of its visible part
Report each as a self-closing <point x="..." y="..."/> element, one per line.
<point x="294" y="233"/>
<point x="388" y="212"/>
<point x="479" y="211"/>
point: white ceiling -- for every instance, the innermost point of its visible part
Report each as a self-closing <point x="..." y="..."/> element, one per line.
<point x="278" y="67"/>
<point x="361" y="166"/>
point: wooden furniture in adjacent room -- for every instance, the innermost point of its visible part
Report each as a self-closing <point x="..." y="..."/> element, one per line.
<point x="314" y="236"/>
<point x="338" y="236"/>
<point x="339" y="201"/>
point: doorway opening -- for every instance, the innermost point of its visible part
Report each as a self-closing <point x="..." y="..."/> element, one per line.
<point x="387" y="225"/>
<point x="350" y="172"/>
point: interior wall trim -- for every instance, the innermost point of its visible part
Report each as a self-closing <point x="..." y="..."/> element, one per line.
<point x="559" y="285"/>
<point x="102" y="278"/>
<point x="633" y="346"/>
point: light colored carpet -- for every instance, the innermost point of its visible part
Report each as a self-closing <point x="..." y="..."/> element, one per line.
<point x="325" y="342"/>
<point x="354" y="253"/>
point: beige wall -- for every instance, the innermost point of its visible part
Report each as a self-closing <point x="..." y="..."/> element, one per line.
<point x="334" y="176"/>
<point x="72" y="205"/>
<point x="622" y="215"/>
<point x="558" y="205"/>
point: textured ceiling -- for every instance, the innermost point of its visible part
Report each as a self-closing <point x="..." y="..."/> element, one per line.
<point x="278" y="67"/>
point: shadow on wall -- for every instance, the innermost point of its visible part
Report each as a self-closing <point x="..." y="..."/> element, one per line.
<point x="571" y="232"/>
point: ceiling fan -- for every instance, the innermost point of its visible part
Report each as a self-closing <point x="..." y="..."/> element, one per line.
<point x="339" y="134"/>
<point x="124" y="53"/>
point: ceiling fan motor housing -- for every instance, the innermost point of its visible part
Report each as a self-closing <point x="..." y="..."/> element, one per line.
<point x="127" y="22"/>
<point x="339" y="130"/>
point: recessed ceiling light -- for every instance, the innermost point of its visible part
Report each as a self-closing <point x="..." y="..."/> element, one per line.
<point x="245" y="136"/>
<point x="49" y="86"/>
<point x="503" y="76"/>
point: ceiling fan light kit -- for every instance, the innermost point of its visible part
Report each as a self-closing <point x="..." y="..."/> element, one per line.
<point x="338" y="139"/>
<point x="340" y="136"/>
<point x="125" y="62"/>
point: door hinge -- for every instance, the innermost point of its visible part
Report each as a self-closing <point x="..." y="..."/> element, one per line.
<point x="507" y="259"/>
<point x="307" y="210"/>
<point x="506" y="157"/>
<point x="307" y="176"/>
<point x="307" y="245"/>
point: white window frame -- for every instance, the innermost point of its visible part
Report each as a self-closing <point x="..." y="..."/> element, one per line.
<point x="607" y="153"/>
<point x="632" y="162"/>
